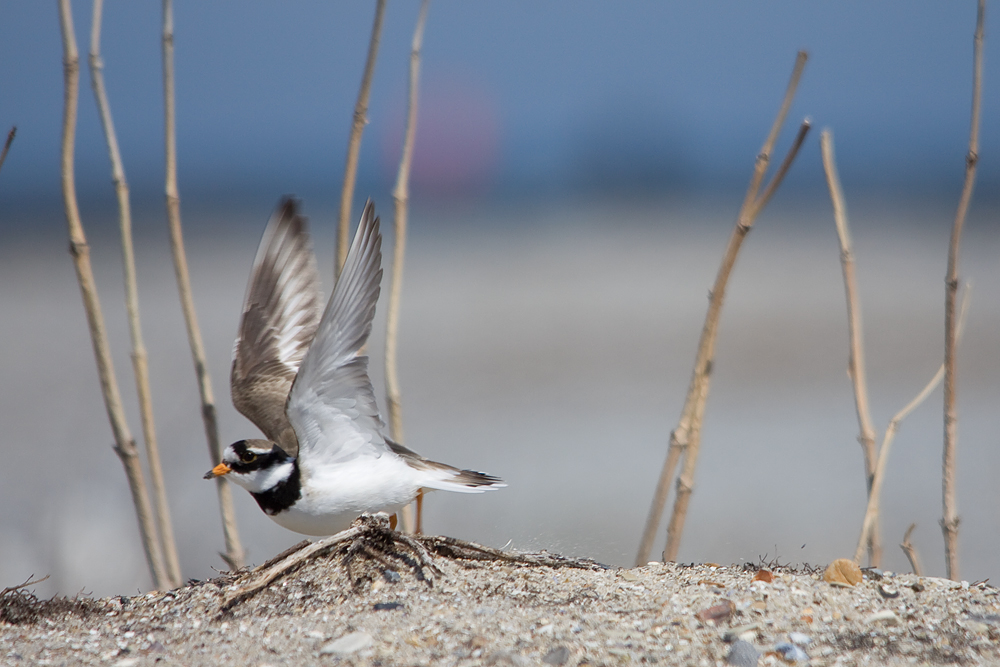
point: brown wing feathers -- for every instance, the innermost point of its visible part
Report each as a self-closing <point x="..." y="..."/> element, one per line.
<point x="281" y="311"/>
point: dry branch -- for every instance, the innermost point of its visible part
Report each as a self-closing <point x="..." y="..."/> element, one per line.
<point x="140" y="365"/>
<point x="856" y="361"/>
<point x="6" y="145"/>
<point x="685" y="438"/>
<point x="234" y="549"/>
<point x="401" y="200"/>
<point x="911" y="551"/>
<point x="373" y="528"/>
<point x="298" y="557"/>
<point x="949" y="520"/>
<point x="354" y="145"/>
<point x="124" y="444"/>
<point x="875" y="493"/>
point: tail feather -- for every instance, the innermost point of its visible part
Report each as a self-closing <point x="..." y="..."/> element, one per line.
<point x="449" y="478"/>
<point x="444" y="477"/>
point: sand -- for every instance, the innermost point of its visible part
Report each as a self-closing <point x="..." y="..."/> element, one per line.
<point x="383" y="611"/>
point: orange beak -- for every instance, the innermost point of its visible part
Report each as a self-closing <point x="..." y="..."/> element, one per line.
<point x="218" y="471"/>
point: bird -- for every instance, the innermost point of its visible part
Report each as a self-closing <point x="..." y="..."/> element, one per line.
<point x="301" y="376"/>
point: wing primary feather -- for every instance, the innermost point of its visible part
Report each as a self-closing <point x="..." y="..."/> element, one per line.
<point x="332" y="404"/>
<point x="281" y="312"/>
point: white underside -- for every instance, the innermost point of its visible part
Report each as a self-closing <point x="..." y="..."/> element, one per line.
<point x="334" y="496"/>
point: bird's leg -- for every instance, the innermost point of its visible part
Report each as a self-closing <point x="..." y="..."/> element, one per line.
<point x="420" y="513"/>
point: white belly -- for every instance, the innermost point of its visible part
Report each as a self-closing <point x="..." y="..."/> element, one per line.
<point x="331" y="500"/>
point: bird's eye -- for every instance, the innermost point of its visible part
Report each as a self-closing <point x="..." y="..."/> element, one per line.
<point x="248" y="457"/>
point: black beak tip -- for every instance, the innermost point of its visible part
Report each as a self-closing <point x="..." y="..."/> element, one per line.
<point x="209" y="475"/>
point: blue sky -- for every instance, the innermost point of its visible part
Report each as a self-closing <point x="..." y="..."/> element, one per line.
<point x="519" y="97"/>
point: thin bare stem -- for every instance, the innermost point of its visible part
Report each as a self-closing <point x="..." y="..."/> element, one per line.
<point x="234" y="549"/>
<point x="6" y="145"/>
<point x="949" y="520"/>
<point x="688" y="427"/>
<point x="124" y="444"/>
<point x="401" y="200"/>
<point x="869" y="523"/>
<point x="764" y="157"/>
<point x="140" y="365"/>
<point x="783" y="168"/>
<point x="911" y="551"/>
<point x="354" y="145"/>
<point x="686" y="437"/>
<point x="856" y="360"/>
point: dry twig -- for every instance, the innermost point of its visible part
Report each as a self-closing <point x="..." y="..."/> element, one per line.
<point x="124" y="444"/>
<point x="354" y="145"/>
<point x="401" y="200"/>
<point x="911" y="551"/>
<point x="365" y="526"/>
<point x="451" y="547"/>
<point x="949" y="520"/>
<point x="28" y="582"/>
<point x="856" y="361"/>
<point x="234" y="549"/>
<point x="6" y="145"/>
<point x="140" y="364"/>
<point x="875" y="493"/>
<point x="686" y="437"/>
<point x="368" y="529"/>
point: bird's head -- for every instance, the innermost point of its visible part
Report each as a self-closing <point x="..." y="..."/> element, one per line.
<point x="256" y="465"/>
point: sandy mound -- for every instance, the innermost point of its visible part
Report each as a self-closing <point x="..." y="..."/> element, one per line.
<point x="502" y="613"/>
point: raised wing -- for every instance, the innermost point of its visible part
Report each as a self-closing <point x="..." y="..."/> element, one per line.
<point x="281" y="312"/>
<point x="332" y="404"/>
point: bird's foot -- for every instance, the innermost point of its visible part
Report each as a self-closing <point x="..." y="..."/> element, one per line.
<point x="381" y="545"/>
<point x="369" y="539"/>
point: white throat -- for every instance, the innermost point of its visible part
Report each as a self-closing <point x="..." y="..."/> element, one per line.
<point x="265" y="479"/>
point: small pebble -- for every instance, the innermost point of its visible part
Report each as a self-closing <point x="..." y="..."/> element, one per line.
<point x="348" y="644"/>
<point x="843" y="572"/>
<point x="791" y="652"/>
<point x="888" y="592"/>
<point x="799" y="638"/>
<point x="719" y="612"/>
<point x="887" y="616"/>
<point x="557" y="656"/>
<point x="742" y="654"/>
<point x="740" y="632"/>
<point x="388" y="606"/>
<point x="992" y="619"/>
<point x="976" y="627"/>
<point x="505" y="659"/>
